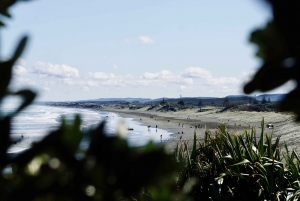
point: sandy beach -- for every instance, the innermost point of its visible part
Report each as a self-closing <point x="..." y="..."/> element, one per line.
<point x="183" y="123"/>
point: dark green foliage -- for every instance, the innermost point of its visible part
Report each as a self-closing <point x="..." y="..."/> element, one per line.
<point x="151" y="107"/>
<point x="180" y="102"/>
<point x="108" y="166"/>
<point x="250" y="100"/>
<point x="226" y="102"/>
<point x="4" y="6"/>
<point x="225" y="166"/>
<point x="135" y="107"/>
<point x="228" y="166"/>
<point x="268" y="107"/>
<point x="264" y="101"/>
<point x="57" y="169"/>
<point x="255" y="101"/>
<point x="163" y="101"/>
<point x="278" y="47"/>
<point x="167" y="107"/>
<point x="269" y="100"/>
<point x="200" y="103"/>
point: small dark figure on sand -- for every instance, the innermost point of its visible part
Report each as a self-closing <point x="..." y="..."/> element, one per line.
<point x="161" y="137"/>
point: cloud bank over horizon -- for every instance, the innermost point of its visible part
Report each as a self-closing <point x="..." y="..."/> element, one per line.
<point x="136" y="48"/>
<point x="45" y="77"/>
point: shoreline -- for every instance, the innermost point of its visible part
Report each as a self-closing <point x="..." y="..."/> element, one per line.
<point x="186" y="131"/>
<point x="237" y="122"/>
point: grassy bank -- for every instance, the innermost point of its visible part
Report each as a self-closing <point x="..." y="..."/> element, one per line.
<point x="227" y="166"/>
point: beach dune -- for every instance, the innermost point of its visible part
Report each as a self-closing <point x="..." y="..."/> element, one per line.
<point x="182" y="124"/>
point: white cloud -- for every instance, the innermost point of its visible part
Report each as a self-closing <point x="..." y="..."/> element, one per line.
<point x="101" y="75"/>
<point x="92" y="83"/>
<point x="142" y="82"/>
<point x="223" y="80"/>
<point x="115" y="67"/>
<point x="46" y="89"/>
<point x="19" y="70"/>
<point x="181" y="80"/>
<point x="73" y="82"/>
<point x="196" y="72"/>
<point x="23" y="82"/>
<point x="69" y="81"/>
<point x="247" y="76"/>
<point x="21" y="62"/>
<point x="164" y="74"/>
<point x="58" y="70"/>
<point x="49" y="83"/>
<point x="145" y="40"/>
<point x="112" y="83"/>
<point x="189" y="79"/>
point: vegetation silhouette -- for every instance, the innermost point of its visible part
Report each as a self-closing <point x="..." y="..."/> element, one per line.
<point x="224" y="166"/>
<point x="278" y="47"/>
<point x="57" y="169"/>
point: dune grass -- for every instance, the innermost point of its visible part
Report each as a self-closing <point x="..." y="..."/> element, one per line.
<point x="227" y="166"/>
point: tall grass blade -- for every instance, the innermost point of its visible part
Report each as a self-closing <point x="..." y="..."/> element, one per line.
<point x="261" y="140"/>
<point x="193" y="156"/>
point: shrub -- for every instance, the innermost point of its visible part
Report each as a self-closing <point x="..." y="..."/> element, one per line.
<point x="181" y="103"/>
<point x="239" y="167"/>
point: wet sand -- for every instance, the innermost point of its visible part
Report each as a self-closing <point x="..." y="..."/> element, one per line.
<point x="237" y="122"/>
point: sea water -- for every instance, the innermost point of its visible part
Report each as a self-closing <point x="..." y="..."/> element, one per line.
<point x="36" y="121"/>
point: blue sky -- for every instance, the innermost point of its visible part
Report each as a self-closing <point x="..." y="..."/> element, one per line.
<point x="133" y="48"/>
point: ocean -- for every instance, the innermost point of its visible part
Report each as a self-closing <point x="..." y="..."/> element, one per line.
<point x="36" y="121"/>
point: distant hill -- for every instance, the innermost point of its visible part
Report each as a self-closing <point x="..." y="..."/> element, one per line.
<point x="194" y="100"/>
<point x="130" y="100"/>
<point x="273" y="97"/>
<point x="237" y="96"/>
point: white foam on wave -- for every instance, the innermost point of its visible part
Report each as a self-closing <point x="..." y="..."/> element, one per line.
<point x="37" y="121"/>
